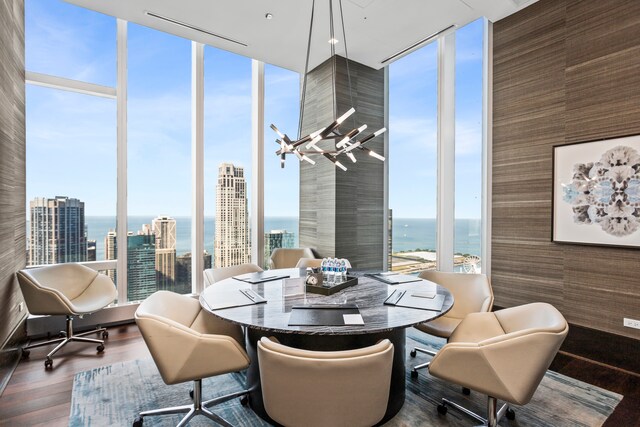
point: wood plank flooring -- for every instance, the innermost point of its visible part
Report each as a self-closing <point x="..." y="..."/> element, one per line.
<point x="35" y="397"/>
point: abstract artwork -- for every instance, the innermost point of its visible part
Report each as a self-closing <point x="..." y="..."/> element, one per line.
<point x="597" y="192"/>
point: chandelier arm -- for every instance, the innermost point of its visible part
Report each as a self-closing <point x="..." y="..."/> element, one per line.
<point x="346" y="55"/>
<point x="306" y="71"/>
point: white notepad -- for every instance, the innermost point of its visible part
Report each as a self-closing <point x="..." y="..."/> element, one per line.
<point x="353" y="319"/>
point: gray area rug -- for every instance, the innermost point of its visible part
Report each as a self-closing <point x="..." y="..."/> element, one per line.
<point x="113" y="395"/>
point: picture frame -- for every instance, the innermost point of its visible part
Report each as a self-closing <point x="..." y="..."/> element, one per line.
<point x="596" y="192"/>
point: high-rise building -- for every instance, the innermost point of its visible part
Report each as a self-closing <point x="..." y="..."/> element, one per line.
<point x="141" y="265"/>
<point x="91" y="250"/>
<point x="111" y="251"/>
<point x="232" y="227"/>
<point x="56" y="231"/>
<point x="164" y="228"/>
<point x="183" y="271"/>
<point x="276" y="239"/>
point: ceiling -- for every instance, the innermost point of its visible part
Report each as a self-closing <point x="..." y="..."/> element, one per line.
<point x="375" y="29"/>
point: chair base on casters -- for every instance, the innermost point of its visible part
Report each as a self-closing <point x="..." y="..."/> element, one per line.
<point x="413" y="353"/>
<point x="198" y="407"/>
<point x="494" y="415"/>
<point x="67" y="337"/>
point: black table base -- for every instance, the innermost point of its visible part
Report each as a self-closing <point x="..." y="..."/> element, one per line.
<point x="329" y="343"/>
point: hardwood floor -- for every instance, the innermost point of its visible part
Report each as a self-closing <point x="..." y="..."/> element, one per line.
<point x="37" y="397"/>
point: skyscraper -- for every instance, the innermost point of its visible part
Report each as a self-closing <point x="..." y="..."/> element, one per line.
<point x="276" y="239"/>
<point x="141" y="265"/>
<point x="232" y="227"/>
<point x="56" y="231"/>
<point x="111" y="251"/>
<point x="183" y="271"/>
<point x="164" y="228"/>
<point x="91" y="250"/>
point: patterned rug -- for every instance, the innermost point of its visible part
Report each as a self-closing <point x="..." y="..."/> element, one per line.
<point x="113" y="395"/>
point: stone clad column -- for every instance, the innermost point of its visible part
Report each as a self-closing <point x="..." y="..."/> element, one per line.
<point x="342" y="213"/>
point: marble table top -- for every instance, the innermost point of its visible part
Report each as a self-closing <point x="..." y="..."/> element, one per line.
<point x="369" y="295"/>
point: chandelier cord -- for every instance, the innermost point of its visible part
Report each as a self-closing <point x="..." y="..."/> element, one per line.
<point x="346" y="54"/>
<point x="306" y="71"/>
<point x="332" y="42"/>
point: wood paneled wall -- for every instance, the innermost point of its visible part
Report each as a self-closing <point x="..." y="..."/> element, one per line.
<point x="342" y="213"/>
<point x="564" y="71"/>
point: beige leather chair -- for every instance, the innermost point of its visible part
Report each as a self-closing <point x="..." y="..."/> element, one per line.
<point x="187" y="344"/>
<point x="309" y="263"/>
<point x="288" y="257"/>
<point x="318" y="388"/>
<point x="69" y="290"/>
<point x="471" y="293"/>
<point x="213" y="275"/>
<point x="503" y="354"/>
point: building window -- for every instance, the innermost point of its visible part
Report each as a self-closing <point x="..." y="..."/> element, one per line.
<point x="159" y="163"/>
<point x="227" y="148"/>
<point x="468" y="151"/>
<point x="281" y="186"/>
<point x="412" y="160"/>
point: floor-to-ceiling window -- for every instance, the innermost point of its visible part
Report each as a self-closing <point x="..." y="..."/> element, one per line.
<point x="468" y="149"/>
<point x="159" y="163"/>
<point x="281" y="185"/>
<point x="71" y="132"/>
<point x="227" y="158"/>
<point x="413" y="108"/>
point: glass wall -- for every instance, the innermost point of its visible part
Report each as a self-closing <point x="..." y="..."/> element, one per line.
<point x="413" y="108"/>
<point x="227" y="157"/>
<point x="281" y="185"/>
<point x="71" y="137"/>
<point x="68" y="41"/>
<point x="159" y="163"/>
<point x="468" y="151"/>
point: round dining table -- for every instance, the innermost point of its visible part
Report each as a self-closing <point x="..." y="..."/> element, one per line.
<point x="271" y="319"/>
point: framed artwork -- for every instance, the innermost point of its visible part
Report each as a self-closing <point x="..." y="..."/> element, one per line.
<point x="596" y="192"/>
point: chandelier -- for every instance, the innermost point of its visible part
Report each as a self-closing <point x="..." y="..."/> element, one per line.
<point x="305" y="147"/>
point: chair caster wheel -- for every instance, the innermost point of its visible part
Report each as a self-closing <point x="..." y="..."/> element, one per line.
<point x="100" y="348"/>
<point x="244" y="400"/>
<point x="25" y="353"/>
<point x="48" y="363"/>
<point x="466" y="391"/>
<point x="510" y="414"/>
<point x="414" y="373"/>
<point x="62" y="334"/>
<point x="105" y="335"/>
<point x="137" y="422"/>
<point x="413" y="353"/>
<point x="191" y="393"/>
<point x="442" y="410"/>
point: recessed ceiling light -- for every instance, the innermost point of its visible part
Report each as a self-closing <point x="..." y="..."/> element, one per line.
<point x="268" y="16"/>
<point x="333" y="41"/>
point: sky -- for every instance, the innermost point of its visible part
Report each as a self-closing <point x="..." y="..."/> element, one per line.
<point x="71" y="138"/>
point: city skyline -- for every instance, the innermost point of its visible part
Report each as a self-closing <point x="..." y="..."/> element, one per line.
<point x="159" y="118"/>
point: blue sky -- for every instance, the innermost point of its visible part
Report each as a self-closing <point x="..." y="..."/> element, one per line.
<point x="71" y="138"/>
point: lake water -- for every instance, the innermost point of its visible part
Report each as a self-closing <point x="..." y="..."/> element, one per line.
<point x="408" y="233"/>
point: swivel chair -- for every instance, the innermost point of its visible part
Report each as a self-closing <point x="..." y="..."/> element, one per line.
<point x="325" y="388"/>
<point x="288" y="257"/>
<point x="213" y="275"/>
<point x="187" y="344"/>
<point x="69" y="290"/>
<point x="504" y="355"/>
<point x="471" y="293"/>
<point x="309" y="263"/>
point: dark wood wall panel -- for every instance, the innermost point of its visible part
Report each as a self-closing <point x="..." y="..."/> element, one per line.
<point x="342" y="213"/>
<point x="564" y="71"/>
<point x="12" y="171"/>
